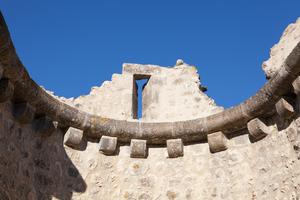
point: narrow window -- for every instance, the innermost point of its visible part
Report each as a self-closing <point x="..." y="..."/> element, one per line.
<point x="140" y="81"/>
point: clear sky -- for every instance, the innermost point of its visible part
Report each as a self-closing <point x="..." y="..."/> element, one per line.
<point x="70" y="46"/>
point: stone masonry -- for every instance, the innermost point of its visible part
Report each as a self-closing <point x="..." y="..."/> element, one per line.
<point x="35" y="166"/>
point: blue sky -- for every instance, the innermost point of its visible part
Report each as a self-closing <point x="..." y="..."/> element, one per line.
<point x="70" y="46"/>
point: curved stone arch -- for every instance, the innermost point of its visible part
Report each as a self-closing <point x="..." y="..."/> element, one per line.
<point x="235" y="118"/>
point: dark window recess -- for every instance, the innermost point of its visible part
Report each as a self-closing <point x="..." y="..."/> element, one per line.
<point x="140" y="83"/>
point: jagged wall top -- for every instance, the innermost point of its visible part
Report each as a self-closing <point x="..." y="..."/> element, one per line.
<point x="279" y="52"/>
<point x="169" y="91"/>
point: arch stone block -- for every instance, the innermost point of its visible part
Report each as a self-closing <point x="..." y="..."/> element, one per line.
<point x="73" y="137"/>
<point x="284" y="109"/>
<point x="175" y="148"/>
<point x="138" y="148"/>
<point x="217" y="142"/>
<point x="108" y="145"/>
<point x="257" y="129"/>
<point x="296" y="85"/>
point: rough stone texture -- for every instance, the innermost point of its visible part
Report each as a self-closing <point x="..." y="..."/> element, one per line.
<point x="217" y="142"/>
<point x="296" y="86"/>
<point x="280" y="51"/>
<point x="284" y="109"/>
<point x="175" y="148"/>
<point x="36" y="167"/>
<point x="257" y="129"/>
<point x="108" y="145"/>
<point x="112" y="99"/>
<point x="138" y="149"/>
<point x="172" y="93"/>
<point x="43" y="126"/>
<point x="41" y="168"/>
<point x="73" y="137"/>
<point x="6" y="90"/>
<point x="23" y="112"/>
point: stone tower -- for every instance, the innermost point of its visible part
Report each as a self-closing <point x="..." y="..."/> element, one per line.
<point x="183" y="147"/>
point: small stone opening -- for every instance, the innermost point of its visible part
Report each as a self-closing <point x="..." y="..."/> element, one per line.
<point x="140" y="82"/>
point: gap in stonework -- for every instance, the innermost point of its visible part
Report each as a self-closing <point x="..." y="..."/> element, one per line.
<point x="140" y="83"/>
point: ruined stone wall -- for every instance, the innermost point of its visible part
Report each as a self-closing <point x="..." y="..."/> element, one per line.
<point x="33" y="166"/>
<point x="172" y="93"/>
<point x="280" y="51"/>
<point x="112" y="99"/>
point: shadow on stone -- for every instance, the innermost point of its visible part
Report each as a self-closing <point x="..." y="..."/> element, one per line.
<point x="33" y="167"/>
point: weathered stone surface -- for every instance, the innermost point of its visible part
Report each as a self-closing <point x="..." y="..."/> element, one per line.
<point x="73" y="137"/>
<point x="296" y="85"/>
<point x="23" y="112"/>
<point x="48" y="171"/>
<point x="6" y="90"/>
<point x="169" y="89"/>
<point x="233" y="119"/>
<point x="257" y="129"/>
<point x="108" y="145"/>
<point x="41" y="168"/>
<point x="33" y="167"/>
<point x="280" y="51"/>
<point x="44" y="126"/>
<point x="179" y="87"/>
<point x="175" y="148"/>
<point x="112" y="99"/>
<point x="284" y="109"/>
<point x="217" y="142"/>
<point x="221" y="174"/>
<point x="138" y="149"/>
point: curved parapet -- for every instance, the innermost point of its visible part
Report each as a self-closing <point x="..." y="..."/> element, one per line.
<point x="16" y="76"/>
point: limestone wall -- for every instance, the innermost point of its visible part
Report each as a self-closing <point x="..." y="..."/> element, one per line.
<point x="112" y="99"/>
<point x="33" y="166"/>
<point x="268" y="169"/>
<point x="172" y="93"/>
<point x="280" y="51"/>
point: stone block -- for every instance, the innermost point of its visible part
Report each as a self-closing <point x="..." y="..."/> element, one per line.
<point x="284" y="109"/>
<point x="138" y="148"/>
<point x="44" y="126"/>
<point x="296" y="85"/>
<point x="73" y="137"/>
<point x="217" y="142"/>
<point x="108" y="145"/>
<point x="257" y="129"/>
<point x="23" y="112"/>
<point x="6" y="90"/>
<point x="175" y="148"/>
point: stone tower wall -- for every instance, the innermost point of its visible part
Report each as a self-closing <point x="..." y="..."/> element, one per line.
<point x="34" y="167"/>
<point x="37" y="166"/>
